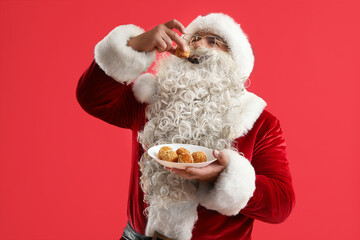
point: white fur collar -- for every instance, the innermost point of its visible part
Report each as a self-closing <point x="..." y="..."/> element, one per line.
<point x="245" y="116"/>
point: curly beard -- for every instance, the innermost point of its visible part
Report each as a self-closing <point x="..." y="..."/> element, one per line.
<point x="193" y="106"/>
<point x="194" y="101"/>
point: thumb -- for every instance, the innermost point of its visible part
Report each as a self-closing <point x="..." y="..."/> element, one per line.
<point x="221" y="157"/>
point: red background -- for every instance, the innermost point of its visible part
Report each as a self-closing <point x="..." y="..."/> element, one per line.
<point x="64" y="174"/>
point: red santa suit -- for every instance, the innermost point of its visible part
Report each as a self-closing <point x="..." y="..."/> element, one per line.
<point x="106" y="91"/>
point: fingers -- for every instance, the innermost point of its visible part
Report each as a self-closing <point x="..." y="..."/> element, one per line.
<point x="168" y="42"/>
<point x="208" y="173"/>
<point x="183" y="173"/>
<point x="176" y="38"/>
<point x="164" y="36"/>
<point x="199" y="172"/>
<point x="159" y="38"/>
<point x="172" y="50"/>
<point x="163" y="44"/>
<point x="175" y="24"/>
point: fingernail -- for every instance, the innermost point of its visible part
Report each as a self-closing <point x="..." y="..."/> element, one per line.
<point x="185" y="48"/>
<point x="216" y="152"/>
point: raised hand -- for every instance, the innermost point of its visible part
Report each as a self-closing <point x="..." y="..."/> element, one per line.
<point x="160" y="38"/>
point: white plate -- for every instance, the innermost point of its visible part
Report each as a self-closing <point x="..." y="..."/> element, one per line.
<point x="153" y="153"/>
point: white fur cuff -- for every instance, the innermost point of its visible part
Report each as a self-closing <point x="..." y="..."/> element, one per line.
<point x="146" y="88"/>
<point x="120" y="61"/>
<point x="233" y="189"/>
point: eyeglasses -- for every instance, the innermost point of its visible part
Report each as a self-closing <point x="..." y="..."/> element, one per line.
<point x="211" y="40"/>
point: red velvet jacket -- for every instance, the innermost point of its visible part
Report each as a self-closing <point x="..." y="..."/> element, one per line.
<point x="104" y="98"/>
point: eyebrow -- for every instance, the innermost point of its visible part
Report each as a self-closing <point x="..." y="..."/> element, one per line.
<point x="219" y="38"/>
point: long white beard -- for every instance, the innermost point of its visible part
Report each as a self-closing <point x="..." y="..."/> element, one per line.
<point x="193" y="106"/>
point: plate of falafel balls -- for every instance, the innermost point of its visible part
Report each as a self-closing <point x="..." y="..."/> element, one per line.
<point x="181" y="155"/>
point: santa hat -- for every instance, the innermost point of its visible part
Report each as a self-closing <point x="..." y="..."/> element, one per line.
<point x="225" y="27"/>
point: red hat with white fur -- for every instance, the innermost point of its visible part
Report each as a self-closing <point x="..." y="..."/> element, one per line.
<point x="225" y="27"/>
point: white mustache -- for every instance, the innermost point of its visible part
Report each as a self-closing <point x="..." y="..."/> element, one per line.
<point x="200" y="54"/>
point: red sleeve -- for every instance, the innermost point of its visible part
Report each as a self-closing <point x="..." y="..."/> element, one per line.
<point x="104" y="98"/>
<point x="274" y="196"/>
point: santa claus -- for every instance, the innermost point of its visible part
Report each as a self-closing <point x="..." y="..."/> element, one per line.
<point x="201" y="100"/>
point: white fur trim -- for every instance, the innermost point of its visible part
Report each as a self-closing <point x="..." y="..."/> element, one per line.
<point x="176" y="222"/>
<point x="246" y="114"/>
<point x="233" y="188"/>
<point x="225" y="27"/>
<point x="120" y="61"/>
<point x="145" y="88"/>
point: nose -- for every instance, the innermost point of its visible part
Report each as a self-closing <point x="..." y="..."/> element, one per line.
<point x="199" y="43"/>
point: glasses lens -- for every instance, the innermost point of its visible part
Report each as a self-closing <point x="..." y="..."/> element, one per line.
<point x="211" y="40"/>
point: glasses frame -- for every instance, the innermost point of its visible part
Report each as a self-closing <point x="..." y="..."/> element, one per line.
<point x="218" y="40"/>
